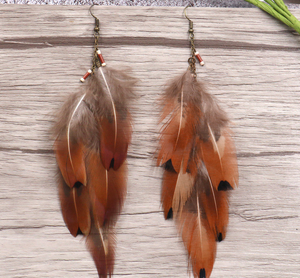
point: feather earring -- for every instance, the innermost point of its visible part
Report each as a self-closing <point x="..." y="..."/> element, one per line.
<point x="198" y="156"/>
<point x="93" y="131"/>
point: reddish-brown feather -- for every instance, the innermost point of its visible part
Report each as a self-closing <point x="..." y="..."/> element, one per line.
<point x="177" y="138"/>
<point x="212" y="163"/>
<point x="66" y="196"/>
<point x="82" y="201"/>
<point x="210" y="210"/>
<point x="168" y="139"/>
<point x="167" y="106"/>
<point x="102" y="250"/>
<point x="182" y="151"/>
<point x="114" y="146"/>
<point x="124" y="132"/>
<point x="215" y="208"/>
<point x="229" y="160"/>
<point x="167" y="190"/>
<point x="98" y="185"/>
<point x="75" y="207"/>
<point x="107" y="141"/>
<point x="223" y="214"/>
<point x="199" y="241"/>
<point x="117" y="188"/>
<point x="223" y="167"/>
<point x="75" y="171"/>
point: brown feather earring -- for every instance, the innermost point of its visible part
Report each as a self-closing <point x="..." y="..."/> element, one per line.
<point x="93" y="131"/>
<point x="198" y="156"/>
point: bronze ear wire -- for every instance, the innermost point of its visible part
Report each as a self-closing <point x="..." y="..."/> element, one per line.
<point x="98" y="60"/>
<point x="194" y="54"/>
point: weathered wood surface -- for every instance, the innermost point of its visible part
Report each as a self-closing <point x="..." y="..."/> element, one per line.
<point x="252" y="66"/>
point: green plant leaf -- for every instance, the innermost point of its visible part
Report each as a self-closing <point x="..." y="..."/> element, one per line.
<point x="279" y="10"/>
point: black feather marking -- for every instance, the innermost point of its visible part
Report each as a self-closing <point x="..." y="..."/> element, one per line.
<point x="78" y="185"/>
<point x="220" y="237"/>
<point x="112" y="163"/>
<point x="168" y="166"/>
<point x="202" y="273"/>
<point x="224" y="186"/>
<point x="170" y="214"/>
<point x="79" y="232"/>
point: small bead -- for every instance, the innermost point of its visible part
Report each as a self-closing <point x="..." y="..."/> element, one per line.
<point x="199" y="58"/>
<point x="103" y="64"/>
<point x="86" y="75"/>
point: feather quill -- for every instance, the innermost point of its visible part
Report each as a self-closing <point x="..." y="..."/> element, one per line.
<point x="93" y="131"/>
<point x="199" y="160"/>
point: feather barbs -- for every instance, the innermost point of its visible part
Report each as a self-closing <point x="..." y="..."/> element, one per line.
<point x="198" y="156"/>
<point x="220" y="160"/>
<point x="70" y="159"/>
<point x="189" y="125"/>
<point x="93" y="132"/>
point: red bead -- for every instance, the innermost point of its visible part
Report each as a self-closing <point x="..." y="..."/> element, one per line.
<point x="103" y="64"/>
<point x="86" y="75"/>
<point x="199" y="58"/>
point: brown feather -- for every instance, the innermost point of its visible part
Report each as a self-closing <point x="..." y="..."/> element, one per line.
<point x="167" y="191"/>
<point x="92" y="132"/>
<point x="101" y="244"/>
<point x="66" y="196"/>
<point x="82" y="203"/>
<point x="98" y="185"/>
<point x="214" y="204"/>
<point x="220" y="159"/>
<point x="117" y="188"/>
<point x="212" y="161"/>
<point x="198" y="156"/>
<point x="229" y="160"/>
<point x="75" y="207"/>
<point x="114" y="146"/>
<point x="199" y="241"/>
<point x="72" y="169"/>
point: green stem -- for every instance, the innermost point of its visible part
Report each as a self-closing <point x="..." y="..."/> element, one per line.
<point x="279" y="11"/>
<point x="281" y="4"/>
<point x="277" y="8"/>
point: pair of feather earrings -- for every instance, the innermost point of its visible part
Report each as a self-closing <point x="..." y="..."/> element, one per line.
<point x="93" y="131"/>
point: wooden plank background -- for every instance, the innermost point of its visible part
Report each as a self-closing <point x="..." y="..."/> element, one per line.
<point x="252" y="66"/>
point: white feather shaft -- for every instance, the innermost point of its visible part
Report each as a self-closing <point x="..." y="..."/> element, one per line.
<point x="113" y="105"/>
<point x="68" y="130"/>
<point x="215" y="145"/>
<point x="102" y="238"/>
<point x="180" y="120"/>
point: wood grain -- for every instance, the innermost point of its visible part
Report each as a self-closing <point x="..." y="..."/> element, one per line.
<point x="252" y="66"/>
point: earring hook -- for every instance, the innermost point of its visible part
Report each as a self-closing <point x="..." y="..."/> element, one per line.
<point x="194" y="53"/>
<point x="97" y="22"/>
<point x="188" y="5"/>
<point x="90" y="9"/>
